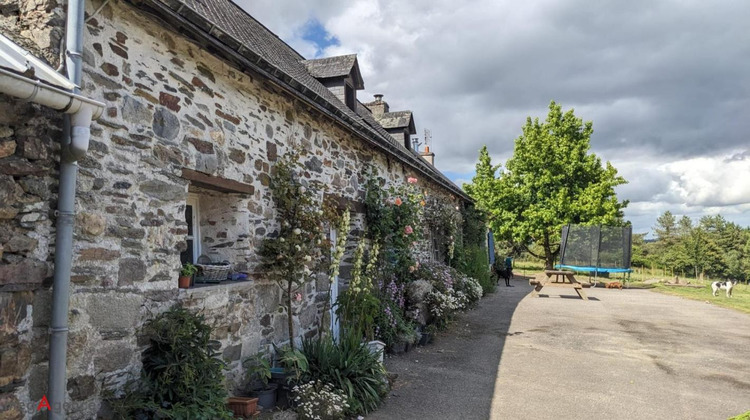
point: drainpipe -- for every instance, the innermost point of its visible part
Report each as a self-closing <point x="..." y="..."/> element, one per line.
<point x="79" y="112"/>
<point x="75" y="141"/>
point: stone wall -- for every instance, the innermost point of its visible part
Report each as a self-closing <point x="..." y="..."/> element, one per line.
<point x="170" y="105"/>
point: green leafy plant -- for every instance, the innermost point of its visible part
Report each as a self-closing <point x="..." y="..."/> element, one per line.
<point x="182" y="374"/>
<point x="349" y="366"/>
<point x="188" y="270"/>
<point x="258" y="370"/>
<point x="293" y="361"/>
<point x="477" y="267"/>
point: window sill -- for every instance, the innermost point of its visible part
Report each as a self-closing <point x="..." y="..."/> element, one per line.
<point x="210" y="288"/>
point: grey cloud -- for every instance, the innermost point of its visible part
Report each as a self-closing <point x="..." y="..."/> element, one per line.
<point x="657" y="78"/>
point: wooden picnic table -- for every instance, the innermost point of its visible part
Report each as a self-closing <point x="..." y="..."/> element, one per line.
<point x="561" y="279"/>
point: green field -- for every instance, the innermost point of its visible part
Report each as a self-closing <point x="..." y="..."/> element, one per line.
<point x="740" y="299"/>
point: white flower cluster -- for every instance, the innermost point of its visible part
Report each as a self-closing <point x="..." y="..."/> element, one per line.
<point x="441" y="304"/>
<point x="318" y="400"/>
<point x="473" y="289"/>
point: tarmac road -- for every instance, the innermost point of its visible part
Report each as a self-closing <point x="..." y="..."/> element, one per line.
<point x="624" y="354"/>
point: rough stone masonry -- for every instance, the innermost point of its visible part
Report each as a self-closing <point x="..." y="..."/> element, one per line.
<point x="170" y="105"/>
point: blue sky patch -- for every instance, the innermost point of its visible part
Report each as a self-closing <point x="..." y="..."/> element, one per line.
<point x="313" y="31"/>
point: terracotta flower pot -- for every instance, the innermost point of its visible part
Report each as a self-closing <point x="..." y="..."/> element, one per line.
<point x="243" y="406"/>
<point x="183" y="282"/>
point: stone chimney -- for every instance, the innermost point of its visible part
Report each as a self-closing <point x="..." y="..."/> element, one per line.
<point x="428" y="156"/>
<point x="379" y="107"/>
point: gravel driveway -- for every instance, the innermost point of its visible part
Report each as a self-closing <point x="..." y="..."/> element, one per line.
<point x="624" y="354"/>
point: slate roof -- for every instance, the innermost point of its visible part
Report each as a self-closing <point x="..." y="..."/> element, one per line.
<point x="340" y="66"/>
<point x="240" y="39"/>
<point x="398" y="119"/>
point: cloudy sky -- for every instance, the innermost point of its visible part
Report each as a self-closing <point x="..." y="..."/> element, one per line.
<point x="666" y="83"/>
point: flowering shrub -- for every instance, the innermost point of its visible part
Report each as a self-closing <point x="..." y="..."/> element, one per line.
<point x="391" y="323"/>
<point x="320" y="401"/>
<point x="393" y="219"/>
<point x="452" y="291"/>
<point x="469" y="287"/>
<point x="441" y="305"/>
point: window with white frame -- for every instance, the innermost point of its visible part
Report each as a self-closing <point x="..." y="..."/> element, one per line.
<point x="193" y="238"/>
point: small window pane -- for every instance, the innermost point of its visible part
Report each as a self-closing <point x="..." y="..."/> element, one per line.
<point x="189" y="219"/>
<point x="186" y="256"/>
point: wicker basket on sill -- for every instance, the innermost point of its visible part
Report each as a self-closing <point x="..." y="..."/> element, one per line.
<point x="213" y="273"/>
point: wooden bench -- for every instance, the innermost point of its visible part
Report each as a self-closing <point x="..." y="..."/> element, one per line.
<point x="564" y="279"/>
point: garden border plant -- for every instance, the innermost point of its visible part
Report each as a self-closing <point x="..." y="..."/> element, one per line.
<point x="182" y="374"/>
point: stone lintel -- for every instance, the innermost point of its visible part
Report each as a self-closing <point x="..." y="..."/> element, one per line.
<point x="216" y="183"/>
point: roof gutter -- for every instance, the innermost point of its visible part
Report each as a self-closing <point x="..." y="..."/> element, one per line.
<point x="83" y="109"/>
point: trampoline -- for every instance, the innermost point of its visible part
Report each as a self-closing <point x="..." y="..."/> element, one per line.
<point x="596" y="249"/>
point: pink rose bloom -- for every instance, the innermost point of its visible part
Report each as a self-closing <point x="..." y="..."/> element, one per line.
<point x="298" y="297"/>
<point x="411" y="269"/>
<point x="412" y="180"/>
<point x="408" y="230"/>
<point x="398" y="202"/>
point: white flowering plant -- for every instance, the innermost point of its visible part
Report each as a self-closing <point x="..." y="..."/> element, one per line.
<point x="452" y="291"/>
<point x="317" y="400"/>
<point x="442" y="305"/>
<point x="469" y="287"/>
<point x="293" y="256"/>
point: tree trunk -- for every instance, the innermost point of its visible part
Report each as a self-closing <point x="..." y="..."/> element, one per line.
<point x="549" y="258"/>
<point x="290" y="321"/>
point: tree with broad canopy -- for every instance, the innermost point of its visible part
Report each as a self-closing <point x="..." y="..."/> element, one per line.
<point x="551" y="180"/>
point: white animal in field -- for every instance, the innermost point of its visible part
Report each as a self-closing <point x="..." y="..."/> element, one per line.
<point x="723" y="285"/>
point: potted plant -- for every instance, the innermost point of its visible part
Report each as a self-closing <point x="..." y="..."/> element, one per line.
<point x="186" y="275"/>
<point x="259" y="373"/>
<point x="293" y="365"/>
<point x="428" y="332"/>
<point x="243" y="406"/>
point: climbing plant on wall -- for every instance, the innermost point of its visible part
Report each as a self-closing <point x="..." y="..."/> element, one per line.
<point x="393" y="219"/>
<point x="444" y="221"/>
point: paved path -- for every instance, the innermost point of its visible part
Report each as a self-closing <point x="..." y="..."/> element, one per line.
<point x="630" y="354"/>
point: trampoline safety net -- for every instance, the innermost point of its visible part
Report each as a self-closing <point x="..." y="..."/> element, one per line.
<point x="596" y="248"/>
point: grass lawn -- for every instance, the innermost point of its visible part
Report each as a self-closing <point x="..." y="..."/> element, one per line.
<point x="740" y="299"/>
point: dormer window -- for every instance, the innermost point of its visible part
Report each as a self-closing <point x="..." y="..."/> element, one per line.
<point x="350" y="96"/>
<point x="399" y="124"/>
<point x="340" y="75"/>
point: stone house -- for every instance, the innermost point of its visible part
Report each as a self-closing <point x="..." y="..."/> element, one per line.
<point x="200" y="100"/>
